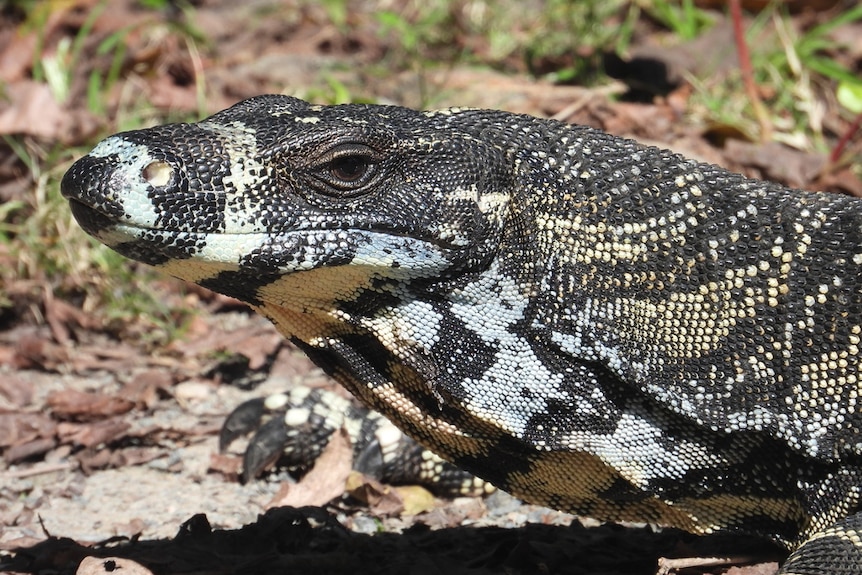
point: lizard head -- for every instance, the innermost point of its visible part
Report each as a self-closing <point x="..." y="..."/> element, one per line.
<point x="275" y="186"/>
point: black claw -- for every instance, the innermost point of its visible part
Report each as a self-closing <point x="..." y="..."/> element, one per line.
<point x="241" y="420"/>
<point x="265" y="447"/>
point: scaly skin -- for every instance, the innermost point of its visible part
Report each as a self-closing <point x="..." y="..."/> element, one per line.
<point x="588" y="323"/>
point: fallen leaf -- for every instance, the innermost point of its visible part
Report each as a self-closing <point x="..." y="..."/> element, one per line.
<point x="16" y="390"/>
<point x="135" y="456"/>
<point x="20" y="428"/>
<point x="779" y="163"/>
<point x="383" y="500"/>
<point x="17" y="57"/>
<point x="325" y="481"/>
<point x="116" y="357"/>
<point x="143" y="389"/>
<point x="92" y="434"/>
<point x="766" y="568"/>
<point x="84" y="406"/>
<point x="415" y="499"/>
<point x="259" y="348"/>
<point x="844" y="181"/>
<point x="29" y="449"/>
<point x="31" y="109"/>
<point x="258" y="343"/>
<point x="60" y="314"/>
<point x="37" y="352"/>
<point x="92" y="460"/>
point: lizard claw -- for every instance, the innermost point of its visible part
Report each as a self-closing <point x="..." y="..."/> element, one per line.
<point x="242" y="420"/>
<point x="265" y="448"/>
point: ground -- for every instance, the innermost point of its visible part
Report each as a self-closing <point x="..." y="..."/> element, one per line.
<point x="110" y="408"/>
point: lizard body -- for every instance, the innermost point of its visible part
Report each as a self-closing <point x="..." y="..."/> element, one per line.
<point x="591" y="324"/>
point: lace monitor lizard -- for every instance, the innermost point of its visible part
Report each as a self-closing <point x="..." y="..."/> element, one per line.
<point x="589" y="323"/>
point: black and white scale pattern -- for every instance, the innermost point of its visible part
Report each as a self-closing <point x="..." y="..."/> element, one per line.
<point x="293" y="428"/>
<point x="589" y="323"/>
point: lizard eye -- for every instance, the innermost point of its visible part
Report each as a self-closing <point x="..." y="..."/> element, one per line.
<point x="347" y="168"/>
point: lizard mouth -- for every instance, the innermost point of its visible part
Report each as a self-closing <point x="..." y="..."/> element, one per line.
<point x="97" y="223"/>
<point x="262" y="252"/>
<point x="93" y="221"/>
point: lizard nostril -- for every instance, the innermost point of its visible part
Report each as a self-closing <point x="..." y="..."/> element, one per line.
<point x="157" y="173"/>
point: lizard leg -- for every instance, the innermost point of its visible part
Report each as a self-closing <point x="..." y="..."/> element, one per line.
<point x="293" y="428"/>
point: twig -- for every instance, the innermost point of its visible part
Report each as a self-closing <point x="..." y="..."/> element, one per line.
<point x="37" y="470"/>
<point x="747" y="73"/>
<point x="667" y="566"/>
<point x="835" y="156"/>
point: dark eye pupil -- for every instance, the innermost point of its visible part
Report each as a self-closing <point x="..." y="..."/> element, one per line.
<point x="349" y="169"/>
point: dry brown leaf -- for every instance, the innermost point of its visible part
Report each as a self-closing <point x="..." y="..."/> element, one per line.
<point x="844" y="181"/>
<point x="258" y="348"/>
<point x="165" y="92"/>
<point x="31" y="109"/>
<point x="143" y="389"/>
<point x="383" y="500"/>
<point x="135" y="456"/>
<point x="16" y="57"/>
<point x="779" y="163"/>
<point x="37" y="352"/>
<point x="16" y="390"/>
<point x="60" y="314"/>
<point x="256" y="343"/>
<point x="92" y="434"/>
<point x="90" y="460"/>
<point x="325" y="481"/>
<point x="18" y="428"/>
<point x="84" y="406"/>
<point x="29" y="449"/>
<point x="117" y="357"/>
<point x="416" y="499"/>
<point x="8" y="355"/>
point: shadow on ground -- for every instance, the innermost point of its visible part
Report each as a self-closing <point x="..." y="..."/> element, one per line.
<point x="310" y="540"/>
